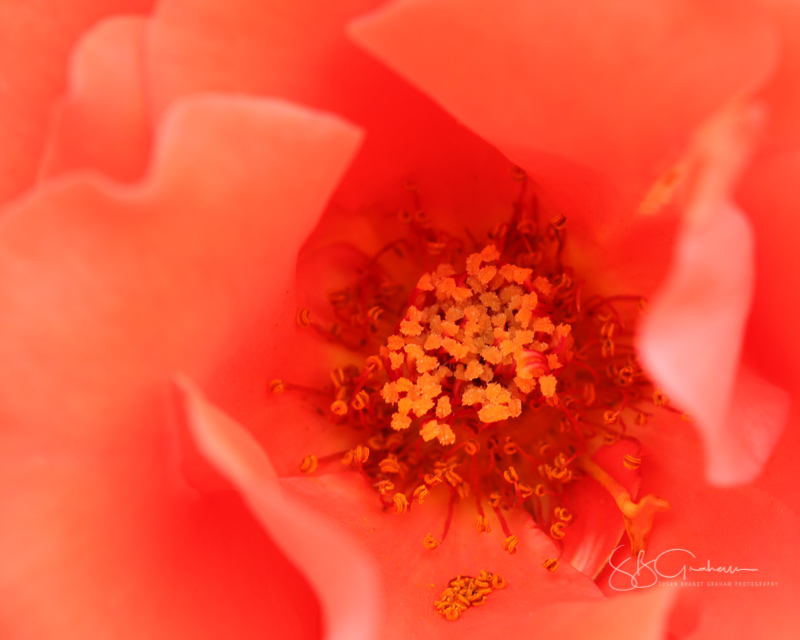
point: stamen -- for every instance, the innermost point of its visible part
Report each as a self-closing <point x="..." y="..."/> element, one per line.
<point x="309" y="464"/>
<point x="464" y="592"/>
<point x="495" y="366"/>
<point x="276" y="386"/>
<point x="638" y="515"/>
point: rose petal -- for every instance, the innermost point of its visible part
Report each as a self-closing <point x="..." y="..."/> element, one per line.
<point x="102" y="123"/>
<point x="415" y="576"/>
<point x="191" y="269"/>
<point x="599" y="526"/>
<point x="335" y="565"/>
<point x="597" y="103"/>
<point x="782" y="94"/>
<point x="690" y="341"/>
<point x="106" y="291"/>
<point x="723" y="527"/>
<point x="36" y="41"/>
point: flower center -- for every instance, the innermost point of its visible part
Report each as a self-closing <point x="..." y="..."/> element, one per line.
<point x="494" y="380"/>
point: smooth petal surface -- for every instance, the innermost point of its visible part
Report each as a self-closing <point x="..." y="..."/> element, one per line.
<point x="176" y="272"/>
<point x="690" y="342"/>
<point x="106" y="292"/>
<point x="596" y="103"/>
<point x="35" y="41"/>
<point x="103" y="121"/>
<point x="334" y="563"/>
<point x="744" y="527"/>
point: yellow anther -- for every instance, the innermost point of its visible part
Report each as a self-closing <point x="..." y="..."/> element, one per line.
<point x="610" y="417"/>
<point x="559" y="221"/>
<point x="400" y="503"/>
<point x="472" y="447"/>
<point x="359" y="402"/>
<point x="339" y="408"/>
<point x="374" y="314"/>
<point x="309" y="464"/>
<point x="511" y="475"/>
<point x="525" y="490"/>
<point x="557" y="530"/>
<point x="338" y="377"/>
<point x="510" y="544"/>
<point x="607" y="330"/>
<point x="389" y="464"/>
<point x="483" y="524"/>
<point x="640" y="419"/>
<point x="421" y="492"/>
<point x="631" y="462"/>
<point x="563" y="514"/>
<point x="430" y="542"/>
<point x="385" y="487"/>
<point x="498" y="582"/>
<point x="659" y="399"/>
<point x="510" y="448"/>
<point x="276" y="386"/>
<point x="495" y="499"/>
<point x="374" y="364"/>
<point x="545" y="448"/>
<point x="548" y="385"/>
<point x="540" y="491"/>
<point x="551" y="564"/>
<point x="607" y="350"/>
<point x="304" y="317"/>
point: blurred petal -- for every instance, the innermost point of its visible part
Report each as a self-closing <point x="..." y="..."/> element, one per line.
<point x="102" y="123"/>
<point x="595" y="103"/>
<point x="690" y="341"/>
<point x="106" y="291"/>
<point x="414" y="576"/>
<point x="335" y="565"/>
<point x="193" y="269"/>
<point x="35" y="41"/>
<point x="742" y="526"/>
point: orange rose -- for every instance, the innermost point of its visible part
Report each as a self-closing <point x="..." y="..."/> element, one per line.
<point x="152" y="230"/>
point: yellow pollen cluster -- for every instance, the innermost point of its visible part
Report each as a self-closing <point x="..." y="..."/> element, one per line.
<point x="483" y="331"/>
<point x="465" y="592"/>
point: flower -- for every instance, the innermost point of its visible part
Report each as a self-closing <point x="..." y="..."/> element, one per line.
<point x="112" y="524"/>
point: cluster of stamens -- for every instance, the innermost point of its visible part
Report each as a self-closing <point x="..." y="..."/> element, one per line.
<point x="464" y="592"/>
<point x="495" y="382"/>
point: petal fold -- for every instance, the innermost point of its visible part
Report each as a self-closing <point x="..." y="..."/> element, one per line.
<point x="690" y="341"/>
<point x="595" y="103"/>
<point x="102" y="123"/>
<point x="339" y="570"/>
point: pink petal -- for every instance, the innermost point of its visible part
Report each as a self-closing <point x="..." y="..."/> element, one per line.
<point x="36" y="41"/>
<point x="745" y="527"/>
<point x="102" y="123"/>
<point x="690" y="341"/>
<point x="595" y="103"/>
<point x="768" y="193"/>
<point x="299" y="51"/>
<point x="338" y="569"/>
<point x="599" y="526"/>
<point x="106" y="291"/>
<point x="191" y="269"/>
<point x="782" y="94"/>
<point x="414" y="576"/>
<point x="641" y="616"/>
